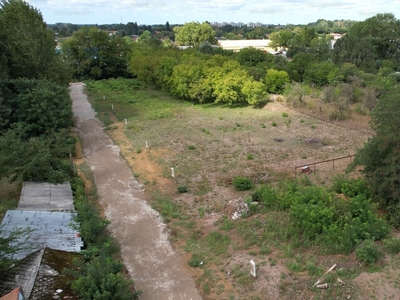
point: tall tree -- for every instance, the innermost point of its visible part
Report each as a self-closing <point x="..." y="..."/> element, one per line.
<point x="93" y="53"/>
<point x="380" y="156"/>
<point x="194" y="33"/>
<point x="368" y="42"/>
<point x="27" y="47"/>
<point x="280" y="38"/>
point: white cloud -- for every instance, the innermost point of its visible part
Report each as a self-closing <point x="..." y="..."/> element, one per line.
<point x="177" y="11"/>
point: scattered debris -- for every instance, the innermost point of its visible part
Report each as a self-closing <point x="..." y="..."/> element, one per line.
<point x="236" y="208"/>
<point x="322" y="278"/>
<point x="323" y="286"/>
<point x="341" y="282"/>
<point x="266" y="177"/>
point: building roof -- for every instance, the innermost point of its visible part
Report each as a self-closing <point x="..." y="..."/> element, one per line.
<point x="45" y="196"/>
<point x="241" y="44"/>
<point x="13" y="295"/>
<point x="46" y="229"/>
<point x="21" y="274"/>
<point x="40" y="261"/>
<point x="39" y="276"/>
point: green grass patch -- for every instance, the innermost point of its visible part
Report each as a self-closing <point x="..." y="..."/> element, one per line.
<point x="218" y="242"/>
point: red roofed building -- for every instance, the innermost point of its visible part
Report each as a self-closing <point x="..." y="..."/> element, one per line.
<point x="15" y="294"/>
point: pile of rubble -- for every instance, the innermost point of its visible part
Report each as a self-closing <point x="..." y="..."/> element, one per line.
<point x="236" y="208"/>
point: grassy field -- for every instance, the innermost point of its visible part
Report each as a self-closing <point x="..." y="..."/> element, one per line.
<point x="208" y="146"/>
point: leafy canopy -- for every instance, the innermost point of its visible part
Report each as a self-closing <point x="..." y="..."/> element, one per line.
<point x="194" y="33"/>
<point x="27" y="47"/>
<point x="380" y="156"/>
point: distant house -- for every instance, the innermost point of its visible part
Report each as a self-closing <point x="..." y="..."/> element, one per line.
<point x="237" y="45"/>
<point x="134" y="37"/>
<point x="335" y="37"/>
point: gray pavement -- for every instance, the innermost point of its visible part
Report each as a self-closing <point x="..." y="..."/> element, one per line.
<point x="157" y="269"/>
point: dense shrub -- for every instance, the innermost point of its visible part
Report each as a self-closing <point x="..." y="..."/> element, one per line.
<point x="242" y="183"/>
<point x="392" y="246"/>
<point x="368" y="252"/>
<point x="319" y="215"/>
<point x="393" y="215"/>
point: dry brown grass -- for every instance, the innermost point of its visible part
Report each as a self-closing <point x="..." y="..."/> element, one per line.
<point x="208" y="146"/>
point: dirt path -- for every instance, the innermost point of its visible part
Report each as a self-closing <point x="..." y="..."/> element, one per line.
<point x="157" y="269"/>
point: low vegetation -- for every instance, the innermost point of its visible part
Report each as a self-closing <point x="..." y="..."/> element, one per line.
<point x="296" y="225"/>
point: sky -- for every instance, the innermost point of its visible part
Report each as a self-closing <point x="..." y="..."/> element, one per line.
<point x="151" y="12"/>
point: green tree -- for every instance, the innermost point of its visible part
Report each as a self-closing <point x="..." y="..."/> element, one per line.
<point x="194" y="33"/>
<point x="275" y="81"/>
<point x="299" y="64"/>
<point x="206" y="48"/>
<point x="377" y="38"/>
<point x="147" y="38"/>
<point x="280" y="38"/>
<point x="92" y="53"/>
<point x="27" y="47"/>
<point x="102" y="280"/>
<point x="380" y="156"/>
<point x="319" y="73"/>
<point x="36" y="106"/>
<point x="251" y="57"/>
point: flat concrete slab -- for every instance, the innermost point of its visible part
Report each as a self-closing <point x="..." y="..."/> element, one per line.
<point x="45" y="196"/>
<point x="54" y="230"/>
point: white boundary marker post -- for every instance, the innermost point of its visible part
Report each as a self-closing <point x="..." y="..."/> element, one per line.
<point x="147" y="145"/>
<point x="126" y="122"/>
<point x="172" y="172"/>
<point x="253" y="269"/>
<point x="112" y="106"/>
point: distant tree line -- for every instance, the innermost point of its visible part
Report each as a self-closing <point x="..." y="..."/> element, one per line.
<point x="226" y="31"/>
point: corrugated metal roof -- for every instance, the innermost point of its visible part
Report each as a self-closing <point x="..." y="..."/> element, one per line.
<point x="48" y="229"/>
<point x="26" y="269"/>
<point x="46" y="196"/>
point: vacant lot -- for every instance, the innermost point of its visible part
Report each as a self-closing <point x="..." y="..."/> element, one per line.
<point x="208" y="146"/>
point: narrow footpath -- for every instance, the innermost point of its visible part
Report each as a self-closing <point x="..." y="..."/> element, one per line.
<point x="158" y="270"/>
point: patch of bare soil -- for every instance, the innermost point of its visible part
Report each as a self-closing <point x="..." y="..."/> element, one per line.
<point x="143" y="163"/>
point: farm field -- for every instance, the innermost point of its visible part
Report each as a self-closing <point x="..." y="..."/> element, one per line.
<point x="208" y="146"/>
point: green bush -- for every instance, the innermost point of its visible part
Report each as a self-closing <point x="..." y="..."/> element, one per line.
<point x="196" y="260"/>
<point x="350" y="187"/>
<point x="368" y="252"/>
<point x="392" y="246"/>
<point x="393" y="215"/>
<point x="242" y="183"/>
<point x="182" y="189"/>
<point x="191" y="147"/>
<point x="267" y="196"/>
<point x="285" y="114"/>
